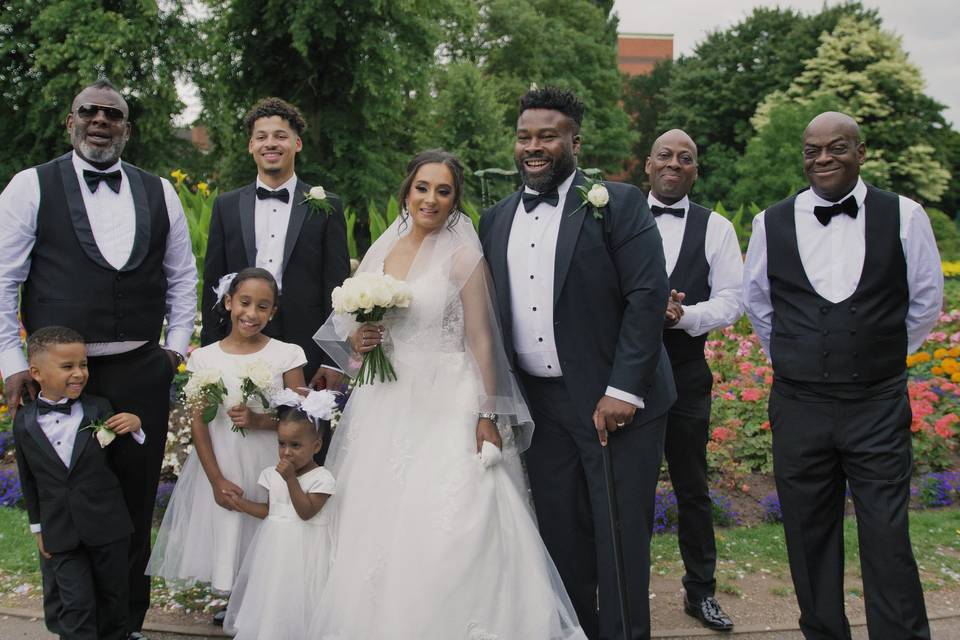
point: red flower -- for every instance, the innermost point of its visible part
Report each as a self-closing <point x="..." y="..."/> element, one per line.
<point x="721" y="434"/>
<point x="942" y="426"/>
<point x="751" y="394"/>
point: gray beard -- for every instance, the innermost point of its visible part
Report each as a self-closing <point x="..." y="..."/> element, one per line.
<point x="100" y="155"/>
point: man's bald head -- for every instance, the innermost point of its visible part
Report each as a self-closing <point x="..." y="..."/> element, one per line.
<point x="833" y="154"/>
<point x="674" y="137"/>
<point x="672" y="166"/>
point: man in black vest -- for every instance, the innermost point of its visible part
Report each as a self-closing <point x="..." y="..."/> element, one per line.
<point x="841" y="282"/>
<point x="268" y="224"/>
<point x="102" y="247"/>
<point x="582" y="292"/>
<point x="705" y="269"/>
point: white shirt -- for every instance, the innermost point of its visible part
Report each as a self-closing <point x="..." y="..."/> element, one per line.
<point x="722" y="250"/>
<point x="271" y="219"/>
<point x="61" y="430"/>
<point x="832" y="258"/>
<point x="113" y="223"/>
<point x="531" y="258"/>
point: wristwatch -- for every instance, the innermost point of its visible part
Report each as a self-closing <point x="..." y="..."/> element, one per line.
<point x="492" y="417"/>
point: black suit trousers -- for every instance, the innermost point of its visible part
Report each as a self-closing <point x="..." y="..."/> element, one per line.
<point x="137" y="382"/>
<point x="821" y="445"/>
<point x="688" y="424"/>
<point x="569" y="492"/>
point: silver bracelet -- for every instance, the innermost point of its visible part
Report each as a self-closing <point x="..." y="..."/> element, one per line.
<point x="492" y="417"/>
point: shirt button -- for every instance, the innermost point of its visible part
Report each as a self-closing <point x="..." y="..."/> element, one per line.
<point x="531" y="277"/>
<point x="824" y="310"/>
<point x="532" y="245"/>
<point x="270" y="260"/>
<point x="539" y="339"/>
<point x="272" y="236"/>
<point x="826" y="332"/>
<point x="536" y="217"/>
<point x="826" y="374"/>
<point x="549" y="367"/>
<point x="534" y="308"/>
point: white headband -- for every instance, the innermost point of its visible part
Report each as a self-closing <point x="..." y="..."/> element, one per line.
<point x="223" y="286"/>
<point x="318" y="405"/>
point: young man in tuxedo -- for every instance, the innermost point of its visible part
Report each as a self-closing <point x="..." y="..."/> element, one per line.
<point x="268" y="224"/>
<point x="582" y="292"/>
<point x="72" y="495"/>
<point x="102" y="246"/>
<point x="841" y="282"/>
<point x="705" y="269"/>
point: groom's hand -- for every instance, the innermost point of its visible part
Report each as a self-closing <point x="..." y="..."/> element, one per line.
<point x="611" y="414"/>
<point x="326" y="378"/>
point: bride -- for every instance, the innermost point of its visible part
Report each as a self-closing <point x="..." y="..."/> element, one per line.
<point x="433" y="540"/>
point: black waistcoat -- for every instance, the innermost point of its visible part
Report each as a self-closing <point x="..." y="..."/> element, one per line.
<point x="858" y="340"/>
<point x="691" y="276"/>
<point x="71" y="284"/>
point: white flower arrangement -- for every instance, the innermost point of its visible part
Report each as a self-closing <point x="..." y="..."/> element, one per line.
<point x="593" y="195"/>
<point x="256" y="381"/>
<point x="102" y="432"/>
<point x="316" y="199"/>
<point x="205" y="390"/>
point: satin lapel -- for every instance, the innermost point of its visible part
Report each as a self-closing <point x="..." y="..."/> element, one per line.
<point x="83" y="434"/>
<point x="498" y="258"/>
<point x="141" y="239"/>
<point x="573" y="215"/>
<point x="33" y="428"/>
<point x="247" y="205"/>
<point x="298" y="214"/>
<point x="78" y="212"/>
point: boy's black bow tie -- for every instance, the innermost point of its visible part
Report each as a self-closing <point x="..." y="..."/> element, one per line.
<point x="280" y="194"/>
<point x="658" y="211"/>
<point x="93" y="179"/>
<point x="848" y="206"/>
<point x="44" y="407"/>
<point x="531" y="200"/>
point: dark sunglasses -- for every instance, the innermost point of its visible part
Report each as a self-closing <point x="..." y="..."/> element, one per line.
<point x="88" y="111"/>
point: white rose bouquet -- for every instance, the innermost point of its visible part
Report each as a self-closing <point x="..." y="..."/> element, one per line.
<point x="367" y="296"/>
<point x="256" y="381"/>
<point x="205" y="390"/>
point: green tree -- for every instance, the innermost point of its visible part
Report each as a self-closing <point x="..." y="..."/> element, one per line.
<point x="52" y="48"/>
<point x="644" y="99"/>
<point x="865" y="72"/>
<point x="713" y="92"/>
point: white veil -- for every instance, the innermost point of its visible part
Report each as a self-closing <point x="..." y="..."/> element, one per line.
<point x="459" y="318"/>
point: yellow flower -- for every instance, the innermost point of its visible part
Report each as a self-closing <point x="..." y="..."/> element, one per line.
<point x="179" y="176"/>
<point x="940" y="353"/>
<point x="954" y="352"/>
<point x="955" y="377"/>
<point x="3" y="408"/>
<point x="181" y="367"/>
<point x="950" y="365"/>
<point x="921" y="356"/>
<point x="937" y="371"/>
<point x="951" y="269"/>
<point x="203" y="188"/>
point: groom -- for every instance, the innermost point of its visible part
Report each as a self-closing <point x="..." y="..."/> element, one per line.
<point x="582" y="293"/>
<point x="267" y="224"/>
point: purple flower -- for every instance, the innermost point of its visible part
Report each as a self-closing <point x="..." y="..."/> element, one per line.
<point x="664" y="511"/>
<point x="164" y="491"/>
<point x="11" y="495"/>
<point x="723" y="512"/>
<point x="772" y="512"/>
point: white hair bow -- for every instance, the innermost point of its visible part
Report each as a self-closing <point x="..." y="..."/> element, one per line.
<point x="318" y="405"/>
<point x="223" y="286"/>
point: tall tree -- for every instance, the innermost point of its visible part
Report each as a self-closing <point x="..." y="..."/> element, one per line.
<point x="52" y="48"/>
<point x="865" y="71"/>
<point x="645" y="100"/>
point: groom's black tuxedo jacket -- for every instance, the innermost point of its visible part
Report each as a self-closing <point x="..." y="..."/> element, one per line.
<point x="79" y="504"/>
<point x="315" y="261"/>
<point x="610" y="294"/>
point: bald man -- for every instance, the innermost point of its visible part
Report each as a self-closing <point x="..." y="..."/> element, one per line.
<point x="705" y="270"/>
<point x="841" y="282"/>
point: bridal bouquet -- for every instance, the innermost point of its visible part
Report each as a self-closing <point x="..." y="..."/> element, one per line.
<point x="367" y="296"/>
<point x="205" y="390"/>
<point x="256" y="381"/>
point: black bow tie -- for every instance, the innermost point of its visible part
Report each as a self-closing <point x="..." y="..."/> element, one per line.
<point x="658" y="211"/>
<point x="848" y="206"/>
<point x="93" y="179"/>
<point x="44" y="407"/>
<point x="531" y="200"/>
<point x="280" y="194"/>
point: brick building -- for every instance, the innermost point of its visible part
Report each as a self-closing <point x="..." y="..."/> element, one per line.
<point x="639" y="52"/>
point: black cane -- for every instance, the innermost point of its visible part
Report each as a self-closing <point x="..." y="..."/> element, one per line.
<point x="617" y="541"/>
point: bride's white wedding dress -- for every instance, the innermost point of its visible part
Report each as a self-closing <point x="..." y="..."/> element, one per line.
<point x="429" y="543"/>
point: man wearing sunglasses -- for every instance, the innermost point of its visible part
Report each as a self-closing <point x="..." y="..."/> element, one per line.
<point x="101" y="246"/>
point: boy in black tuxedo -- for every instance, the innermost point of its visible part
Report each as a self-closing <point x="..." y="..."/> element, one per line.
<point x="73" y="498"/>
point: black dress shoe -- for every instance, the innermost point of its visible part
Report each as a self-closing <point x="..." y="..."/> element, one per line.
<point x="709" y="613"/>
<point x="219" y="617"/>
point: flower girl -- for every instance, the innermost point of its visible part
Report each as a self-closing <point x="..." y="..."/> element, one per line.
<point x="285" y="567"/>
<point x="203" y="536"/>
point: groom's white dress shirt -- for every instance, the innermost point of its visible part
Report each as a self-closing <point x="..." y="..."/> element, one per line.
<point x="531" y="258"/>
<point x="832" y="257"/>
<point x="726" y="268"/>
<point x="113" y="223"/>
<point x="271" y="220"/>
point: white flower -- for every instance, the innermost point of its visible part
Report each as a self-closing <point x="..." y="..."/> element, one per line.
<point x="105" y="436"/>
<point x="317" y="193"/>
<point x="320" y="405"/>
<point x="258" y="372"/>
<point x="598" y="195"/>
<point x="223" y="286"/>
<point x="198" y="380"/>
<point x="489" y="454"/>
<point x="367" y="290"/>
<point x="286" y="398"/>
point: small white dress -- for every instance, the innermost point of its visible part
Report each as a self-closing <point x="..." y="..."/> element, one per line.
<point x="199" y="540"/>
<point x="286" y="566"/>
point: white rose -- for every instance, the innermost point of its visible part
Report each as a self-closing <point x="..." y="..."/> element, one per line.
<point x="317" y="193"/>
<point x="598" y="196"/>
<point x="105" y="437"/>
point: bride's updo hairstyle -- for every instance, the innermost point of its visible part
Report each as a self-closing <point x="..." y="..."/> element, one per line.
<point x="433" y="156"/>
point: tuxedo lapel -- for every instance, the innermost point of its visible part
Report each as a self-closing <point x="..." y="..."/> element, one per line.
<point x="570" y="223"/>
<point x="141" y="239"/>
<point x="499" y="241"/>
<point x="83" y="434"/>
<point x="33" y="428"/>
<point x="247" y="205"/>
<point x="78" y="212"/>
<point x="298" y="214"/>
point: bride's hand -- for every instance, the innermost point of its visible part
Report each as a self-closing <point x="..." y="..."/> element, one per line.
<point x="366" y="338"/>
<point x="487" y="432"/>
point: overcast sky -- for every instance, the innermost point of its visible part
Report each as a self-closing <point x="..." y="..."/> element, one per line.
<point x="930" y="31"/>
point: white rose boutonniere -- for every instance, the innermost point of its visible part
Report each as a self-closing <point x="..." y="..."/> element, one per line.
<point x="593" y="195"/>
<point x="101" y="432"/>
<point x="317" y="200"/>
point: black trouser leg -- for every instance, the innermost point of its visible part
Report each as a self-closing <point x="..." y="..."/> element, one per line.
<point x="137" y="382"/>
<point x="685" y="449"/>
<point x="76" y="594"/>
<point x="109" y="565"/>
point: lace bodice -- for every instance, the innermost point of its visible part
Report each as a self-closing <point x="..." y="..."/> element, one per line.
<point x="434" y="320"/>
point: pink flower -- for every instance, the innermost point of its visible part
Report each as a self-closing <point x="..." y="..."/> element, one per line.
<point x="751" y="395"/>
<point x="766" y="425"/>
<point x="942" y="426"/>
<point x="746" y="367"/>
<point x="721" y="434"/>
